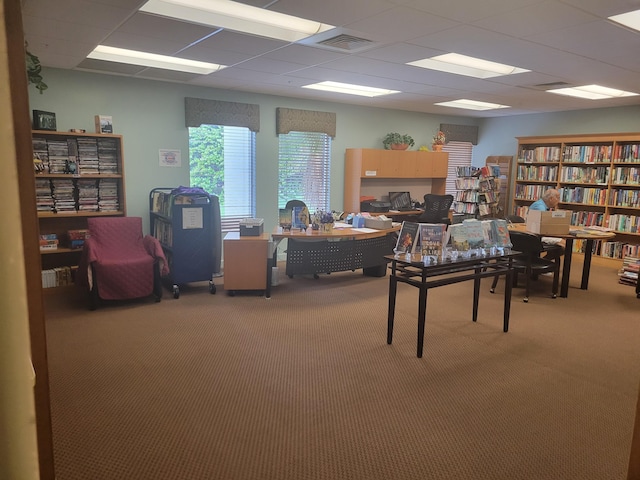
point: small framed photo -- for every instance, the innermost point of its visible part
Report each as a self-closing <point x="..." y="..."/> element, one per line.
<point x="44" y="120"/>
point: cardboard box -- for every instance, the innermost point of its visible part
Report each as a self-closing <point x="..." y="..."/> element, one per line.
<point x="377" y="223"/>
<point x="251" y="227"/>
<point x="549" y="223"/>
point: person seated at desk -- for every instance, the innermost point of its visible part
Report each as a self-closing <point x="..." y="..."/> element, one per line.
<point x="549" y="201"/>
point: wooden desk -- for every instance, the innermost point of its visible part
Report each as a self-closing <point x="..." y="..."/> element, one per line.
<point x="424" y="277"/>
<point x="343" y="249"/>
<point x="579" y="234"/>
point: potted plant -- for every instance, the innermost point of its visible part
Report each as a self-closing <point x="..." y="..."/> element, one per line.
<point x="396" y="141"/>
<point x="33" y="70"/>
<point x="439" y="140"/>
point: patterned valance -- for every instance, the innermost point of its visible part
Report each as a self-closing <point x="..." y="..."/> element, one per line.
<point x="460" y="133"/>
<point x="199" y="111"/>
<point x="292" y="120"/>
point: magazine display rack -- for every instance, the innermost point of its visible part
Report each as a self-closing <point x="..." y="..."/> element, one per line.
<point x="187" y="224"/>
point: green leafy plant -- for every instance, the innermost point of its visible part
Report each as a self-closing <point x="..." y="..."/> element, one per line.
<point x="397" y="139"/>
<point x="33" y="70"/>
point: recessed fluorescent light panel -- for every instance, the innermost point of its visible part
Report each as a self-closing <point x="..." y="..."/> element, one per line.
<point x="350" y="89"/>
<point x="472" y="105"/>
<point x="132" y="57"/>
<point x="629" y="19"/>
<point x="238" y="17"/>
<point x="469" y="66"/>
<point x="592" y="92"/>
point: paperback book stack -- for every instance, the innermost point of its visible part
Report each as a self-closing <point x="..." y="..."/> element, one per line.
<point x="77" y="238"/>
<point x="41" y="151"/>
<point x="107" y="156"/>
<point x="629" y="273"/>
<point x="58" y="151"/>
<point x="44" y="199"/>
<point x="48" y="242"/>
<point x="63" y="195"/>
<point x="87" y="156"/>
<point x="87" y="195"/>
<point x="108" y="195"/>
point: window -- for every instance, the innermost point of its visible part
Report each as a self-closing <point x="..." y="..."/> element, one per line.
<point x="222" y="160"/>
<point x="304" y="164"/>
<point x="459" y="156"/>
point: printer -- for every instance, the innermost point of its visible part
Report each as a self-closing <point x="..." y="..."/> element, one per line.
<point x="374" y="206"/>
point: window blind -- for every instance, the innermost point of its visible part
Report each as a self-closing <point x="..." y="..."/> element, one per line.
<point x="304" y="165"/>
<point x="459" y="156"/>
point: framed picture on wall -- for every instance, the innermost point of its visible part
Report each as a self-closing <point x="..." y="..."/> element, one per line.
<point x="44" y="120"/>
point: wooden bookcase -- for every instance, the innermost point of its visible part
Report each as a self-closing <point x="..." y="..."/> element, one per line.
<point x="93" y="158"/>
<point x="376" y="172"/>
<point x="598" y="176"/>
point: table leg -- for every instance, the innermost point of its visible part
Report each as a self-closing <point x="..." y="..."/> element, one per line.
<point x="507" y="296"/>
<point x="476" y="294"/>
<point x="393" y="287"/>
<point x="566" y="267"/>
<point x="586" y="266"/>
<point x="422" y="316"/>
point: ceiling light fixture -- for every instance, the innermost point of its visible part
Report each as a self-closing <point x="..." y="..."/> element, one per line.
<point x="350" y="89"/>
<point x="132" y="57"/>
<point x="469" y="66"/>
<point x="592" y="92"/>
<point x="629" y="19"/>
<point x="472" y="104"/>
<point x="238" y="17"/>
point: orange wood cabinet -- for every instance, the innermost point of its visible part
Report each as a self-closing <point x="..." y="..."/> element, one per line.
<point x="375" y="172"/>
<point x="245" y="262"/>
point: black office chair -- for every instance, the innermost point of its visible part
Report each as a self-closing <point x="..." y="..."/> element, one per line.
<point x="551" y="250"/>
<point x="514" y="219"/>
<point x="436" y="209"/>
<point x="530" y="263"/>
<point x="305" y="213"/>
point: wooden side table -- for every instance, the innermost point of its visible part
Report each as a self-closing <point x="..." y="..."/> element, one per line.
<point x="245" y="262"/>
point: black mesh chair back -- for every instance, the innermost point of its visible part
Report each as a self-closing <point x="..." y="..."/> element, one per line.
<point x="294" y="203"/>
<point x="436" y="209"/>
<point x="514" y="219"/>
<point x="530" y="263"/>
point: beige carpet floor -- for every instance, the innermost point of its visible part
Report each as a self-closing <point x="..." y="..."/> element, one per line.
<point x="303" y="386"/>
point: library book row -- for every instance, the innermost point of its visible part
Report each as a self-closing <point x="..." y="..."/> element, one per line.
<point x="569" y="174"/>
<point x="82" y="155"/>
<point x="59" y="277"/>
<point x="622" y="152"/>
<point x="71" y="195"/>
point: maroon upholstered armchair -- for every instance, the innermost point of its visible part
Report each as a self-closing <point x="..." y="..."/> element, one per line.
<point x="118" y="262"/>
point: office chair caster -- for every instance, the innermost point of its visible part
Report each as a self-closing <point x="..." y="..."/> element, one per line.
<point x="212" y="287"/>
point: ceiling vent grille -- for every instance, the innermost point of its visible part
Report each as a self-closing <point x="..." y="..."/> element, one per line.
<point x="346" y="42"/>
<point x="551" y="85"/>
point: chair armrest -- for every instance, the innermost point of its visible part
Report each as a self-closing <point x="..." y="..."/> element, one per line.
<point x="153" y="248"/>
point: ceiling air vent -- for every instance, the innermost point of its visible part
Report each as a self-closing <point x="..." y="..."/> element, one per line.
<point x="345" y="42"/>
<point x="551" y="85"/>
<point x="339" y="40"/>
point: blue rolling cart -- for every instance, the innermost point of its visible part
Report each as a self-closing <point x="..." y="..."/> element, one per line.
<point x="186" y="221"/>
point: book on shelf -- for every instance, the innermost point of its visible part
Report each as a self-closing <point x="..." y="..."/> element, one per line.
<point x="407" y="237"/>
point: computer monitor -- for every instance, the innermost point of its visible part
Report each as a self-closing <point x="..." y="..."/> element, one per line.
<point x="400" y="200"/>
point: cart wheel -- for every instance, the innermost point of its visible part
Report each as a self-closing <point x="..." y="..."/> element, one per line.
<point x="231" y="293"/>
<point x="212" y="287"/>
<point x="176" y="291"/>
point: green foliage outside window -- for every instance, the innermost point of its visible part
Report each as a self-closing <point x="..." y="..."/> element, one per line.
<point x="206" y="159"/>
